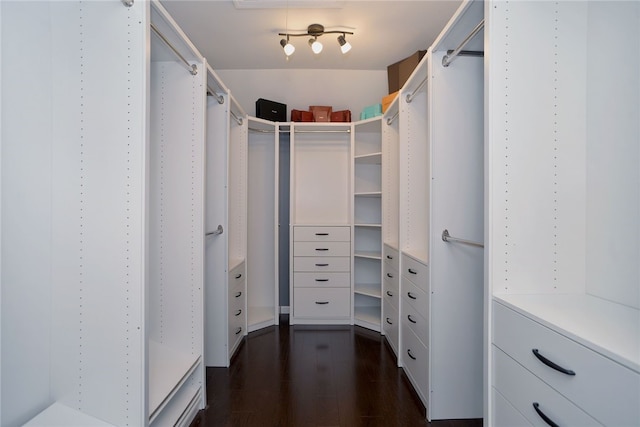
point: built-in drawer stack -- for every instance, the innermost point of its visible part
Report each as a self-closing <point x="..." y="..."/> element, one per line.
<point x="391" y="296"/>
<point x="414" y="324"/>
<point x="237" y="306"/>
<point x="542" y="376"/>
<point x="322" y="273"/>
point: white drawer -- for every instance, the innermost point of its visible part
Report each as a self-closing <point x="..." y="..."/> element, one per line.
<point x="417" y="322"/>
<point x="415" y="271"/>
<point x="596" y="380"/>
<point x="391" y="274"/>
<point x="523" y="389"/>
<point x="322" y="249"/>
<point x="391" y="256"/>
<point x="322" y="234"/>
<point x="390" y="325"/>
<point x="321" y="279"/>
<point x="415" y="297"/>
<point x="329" y="264"/>
<point x="236" y="275"/>
<point x="237" y="303"/>
<point x="504" y="414"/>
<point x="391" y="293"/>
<point x="415" y="358"/>
<point x="236" y="332"/>
<point x="322" y="302"/>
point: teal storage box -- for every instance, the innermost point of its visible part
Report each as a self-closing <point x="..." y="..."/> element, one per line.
<point x="371" y="111"/>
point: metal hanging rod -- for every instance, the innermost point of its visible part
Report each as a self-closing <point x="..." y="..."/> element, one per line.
<point x="412" y="95"/>
<point x="323" y="131"/>
<point x="193" y="68"/>
<point x="449" y="238"/>
<point x="393" y="118"/>
<point x="263" y="130"/>
<point x="213" y="93"/>
<point x="237" y="119"/>
<point x="216" y="232"/>
<point x="449" y="57"/>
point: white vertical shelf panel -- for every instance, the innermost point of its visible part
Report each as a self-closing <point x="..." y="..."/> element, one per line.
<point x="390" y="175"/>
<point x="216" y="246"/>
<point x="613" y="153"/>
<point x="321" y="190"/>
<point x="456" y="270"/>
<point x="98" y="209"/>
<point x="25" y="217"/>
<point x="176" y="206"/>
<point x="548" y="132"/>
<point x="237" y="179"/>
<point x="262" y="225"/>
<point x="414" y="166"/>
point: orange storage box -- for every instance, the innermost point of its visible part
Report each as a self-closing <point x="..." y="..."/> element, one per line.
<point x="387" y="100"/>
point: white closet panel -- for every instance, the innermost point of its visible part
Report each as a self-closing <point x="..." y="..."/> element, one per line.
<point x="262" y="224"/>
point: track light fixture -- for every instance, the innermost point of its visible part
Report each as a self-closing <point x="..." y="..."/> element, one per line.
<point x="315" y="31"/>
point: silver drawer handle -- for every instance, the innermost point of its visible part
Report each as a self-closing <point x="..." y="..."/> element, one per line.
<point x="239" y="275"/>
<point x="389" y="321"/>
<point x="322" y="265"/>
<point x="389" y="293"/>
<point x="412" y="271"/>
<point x="410" y="295"/>
<point x="322" y="302"/>
<point x="322" y="234"/>
<point x="389" y="257"/>
<point x="322" y="249"/>
<point x="239" y="330"/>
<point x="322" y="280"/>
<point x="239" y="294"/>
<point x="239" y="312"/>
<point x="411" y="355"/>
<point x="411" y="319"/>
<point x="390" y="276"/>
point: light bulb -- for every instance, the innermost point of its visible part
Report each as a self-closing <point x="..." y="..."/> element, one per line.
<point x="345" y="46"/>
<point x="316" y="46"/>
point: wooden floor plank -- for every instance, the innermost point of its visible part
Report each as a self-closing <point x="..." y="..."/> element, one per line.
<point x="313" y="376"/>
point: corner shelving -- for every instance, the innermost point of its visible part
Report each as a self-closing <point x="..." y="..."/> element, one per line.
<point x="367" y="218"/>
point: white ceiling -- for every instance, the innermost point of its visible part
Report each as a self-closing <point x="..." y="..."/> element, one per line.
<point x="247" y="38"/>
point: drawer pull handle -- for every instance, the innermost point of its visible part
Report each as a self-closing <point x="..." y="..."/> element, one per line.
<point x="389" y="257"/>
<point x="412" y="271"/>
<point x="239" y="294"/>
<point x="410" y="295"/>
<point x="322" y="280"/>
<point x="322" y="234"/>
<point x="239" y="312"/>
<point x="389" y="293"/>
<point x="390" y="276"/>
<point x="322" y="249"/>
<point x="322" y="265"/>
<point x="389" y="321"/>
<point x="239" y="330"/>
<point x="411" y="319"/>
<point x="550" y="364"/>
<point x="542" y="415"/>
<point x="322" y="302"/>
<point x="239" y="275"/>
<point x="410" y="355"/>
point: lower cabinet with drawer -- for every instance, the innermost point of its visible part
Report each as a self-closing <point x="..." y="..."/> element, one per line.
<point x="321" y="278"/>
<point x="549" y="377"/>
<point x="237" y="304"/>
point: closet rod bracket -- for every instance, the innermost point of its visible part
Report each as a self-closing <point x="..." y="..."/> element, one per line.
<point x="127" y="3"/>
<point x="194" y="70"/>
<point x="446" y="237"/>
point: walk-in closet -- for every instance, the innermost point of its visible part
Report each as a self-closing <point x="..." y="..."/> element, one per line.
<point x="171" y="256"/>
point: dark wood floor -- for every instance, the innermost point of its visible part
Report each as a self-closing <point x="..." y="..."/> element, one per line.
<point x="313" y="376"/>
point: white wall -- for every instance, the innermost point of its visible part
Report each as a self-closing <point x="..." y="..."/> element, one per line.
<point x="342" y="89"/>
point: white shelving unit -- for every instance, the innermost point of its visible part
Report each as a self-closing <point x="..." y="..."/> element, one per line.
<point x="321" y="233"/>
<point x="563" y="211"/>
<point x="262" y="224"/>
<point x="367" y="219"/>
<point x="116" y="298"/>
<point x="440" y="126"/>
<point x="224" y="252"/>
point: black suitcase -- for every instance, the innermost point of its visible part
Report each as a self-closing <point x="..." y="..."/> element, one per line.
<point x="271" y="110"/>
